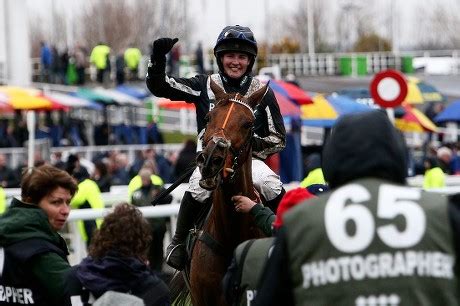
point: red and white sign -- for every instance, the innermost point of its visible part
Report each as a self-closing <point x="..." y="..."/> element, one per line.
<point x="389" y="88"/>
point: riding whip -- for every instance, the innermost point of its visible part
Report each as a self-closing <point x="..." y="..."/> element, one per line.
<point x="173" y="186"/>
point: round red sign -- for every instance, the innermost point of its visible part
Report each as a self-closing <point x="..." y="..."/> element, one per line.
<point x="388" y="88"/>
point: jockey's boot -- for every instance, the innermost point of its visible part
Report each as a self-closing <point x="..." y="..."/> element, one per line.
<point x="273" y="204"/>
<point x="176" y="253"/>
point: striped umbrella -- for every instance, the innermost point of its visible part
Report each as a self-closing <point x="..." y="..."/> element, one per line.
<point x="419" y="92"/>
<point x="325" y="110"/>
<point x="414" y="120"/>
<point x="25" y="98"/>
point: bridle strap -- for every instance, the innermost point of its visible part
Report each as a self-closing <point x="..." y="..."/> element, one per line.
<point x="228" y="116"/>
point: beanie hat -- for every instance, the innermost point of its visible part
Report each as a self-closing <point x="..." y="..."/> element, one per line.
<point x="290" y="199"/>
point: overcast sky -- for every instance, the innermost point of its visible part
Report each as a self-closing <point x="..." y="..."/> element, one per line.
<point x="210" y="16"/>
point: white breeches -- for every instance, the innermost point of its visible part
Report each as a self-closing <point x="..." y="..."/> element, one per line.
<point x="266" y="182"/>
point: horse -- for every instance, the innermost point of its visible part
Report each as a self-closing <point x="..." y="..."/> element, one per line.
<point x="225" y="165"/>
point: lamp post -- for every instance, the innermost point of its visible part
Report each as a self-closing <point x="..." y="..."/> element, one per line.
<point x="310" y="30"/>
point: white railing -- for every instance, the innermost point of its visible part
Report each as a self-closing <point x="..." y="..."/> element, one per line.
<point x="319" y="64"/>
<point x="119" y="194"/>
<point x="16" y="155"/>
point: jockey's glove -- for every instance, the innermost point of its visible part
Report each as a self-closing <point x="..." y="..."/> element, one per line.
<point x="161" y="47"/>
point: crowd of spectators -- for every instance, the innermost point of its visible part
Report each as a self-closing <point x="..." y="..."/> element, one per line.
<point x="111" y="168"/>
<point x="70" y="66"/>
<point x="63" y="130"/>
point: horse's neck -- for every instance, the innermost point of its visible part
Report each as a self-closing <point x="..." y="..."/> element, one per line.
<point x="228" y="224"/>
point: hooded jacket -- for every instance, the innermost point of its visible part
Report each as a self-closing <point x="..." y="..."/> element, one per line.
<point x="122" y="274"/>
<point x="384" y="157"/>
<point x="34" y="257"/>
<point x="364" y="147"/>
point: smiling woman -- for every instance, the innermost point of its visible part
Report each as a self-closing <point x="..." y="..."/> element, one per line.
<point x="35" y="255"/>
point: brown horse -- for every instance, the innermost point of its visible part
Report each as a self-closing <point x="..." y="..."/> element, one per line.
<point x="225" y="165"/>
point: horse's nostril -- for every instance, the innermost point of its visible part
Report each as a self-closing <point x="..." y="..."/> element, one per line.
<point x="217" y="161"/>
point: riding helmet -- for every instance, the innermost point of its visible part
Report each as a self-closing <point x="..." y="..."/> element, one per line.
<point x="236" y="38"/>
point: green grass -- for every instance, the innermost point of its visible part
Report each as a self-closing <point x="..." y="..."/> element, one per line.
<point x="177" y="137"/>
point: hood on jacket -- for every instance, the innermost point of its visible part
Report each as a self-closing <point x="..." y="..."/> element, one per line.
<point x="364" y="145"/>
<point x="116" y="273"/>
<point x="25" y="221"/>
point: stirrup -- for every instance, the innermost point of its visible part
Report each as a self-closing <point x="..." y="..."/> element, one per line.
<point x="177" y="257"/>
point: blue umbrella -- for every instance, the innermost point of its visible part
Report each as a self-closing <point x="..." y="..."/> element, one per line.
<point x="450" y="113"/>
<point x="344" y="105"/>
<point x="136" y="92"/>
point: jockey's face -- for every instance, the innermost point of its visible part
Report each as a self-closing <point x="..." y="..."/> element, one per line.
<point x="235" y="64"/>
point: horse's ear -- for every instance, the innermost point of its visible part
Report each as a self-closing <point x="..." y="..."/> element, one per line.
<point x="256" y="97"/>
<point x="219" y="92"/>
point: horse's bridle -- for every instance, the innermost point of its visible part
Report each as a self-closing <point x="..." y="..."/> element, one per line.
<point x="225" y="143"/>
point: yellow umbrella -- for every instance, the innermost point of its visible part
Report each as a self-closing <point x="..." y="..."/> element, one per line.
<point x="319" y="113"/>
<point x="419" y="92"/>
<point x="25" y="98"/>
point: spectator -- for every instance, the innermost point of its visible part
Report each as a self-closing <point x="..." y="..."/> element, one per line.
<point x="154" y="135"/>
<point x="370" y="214"/>
<point x="186" y="159"/>
<point x="2" y="201"/>
<point x="143" y="197"/>
<point x="136" y="182"/>
<point x="314" y="171"/>
<point x="444" y="155"/>
<point x="120" y="175"/>
<point x="173" y="61"/>
<point x="8" y="177"/>
<point x="56" y="67"/>
<point x="34" y="255"/>
<point x="100" y="59"/>
<point x="87" y="196"/>
<point x="118" y="262"/>
<point x="120" y="69"/>
<point x="162" y="166"/>
<point x="199" y="58"/>
<point x="81" y="63"/>
<point x="46" y="59"/>
<point x="132" y="57"/>
<point x="101" y="176"/>
<point x="434" y="177"/>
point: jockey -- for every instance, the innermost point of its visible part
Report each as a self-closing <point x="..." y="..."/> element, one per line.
<point x="235" y="52"/>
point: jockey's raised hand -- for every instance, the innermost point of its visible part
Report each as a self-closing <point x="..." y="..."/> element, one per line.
<point x="161" y="47"/>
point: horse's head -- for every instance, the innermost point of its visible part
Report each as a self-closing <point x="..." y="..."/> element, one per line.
<point x="227" y="140"/>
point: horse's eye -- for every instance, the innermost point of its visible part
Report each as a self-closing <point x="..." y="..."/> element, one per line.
<point x="248" y="125"/>
<point x="206" y="118"/>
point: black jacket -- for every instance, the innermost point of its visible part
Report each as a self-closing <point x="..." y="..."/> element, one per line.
<point x="269" y="132"/>
<point x="121" y="274"/>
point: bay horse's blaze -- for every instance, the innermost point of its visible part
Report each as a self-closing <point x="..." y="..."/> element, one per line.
<point x="225" y="165"/>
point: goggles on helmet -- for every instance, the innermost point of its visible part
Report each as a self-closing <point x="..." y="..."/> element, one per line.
<point x="233" y="33"/>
